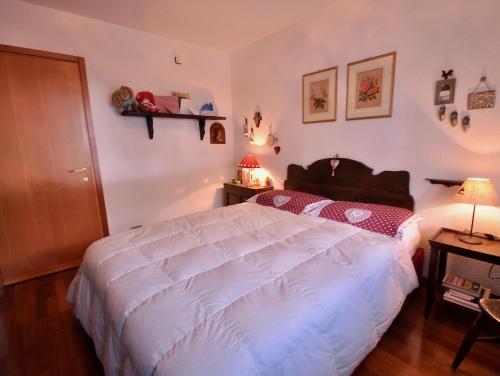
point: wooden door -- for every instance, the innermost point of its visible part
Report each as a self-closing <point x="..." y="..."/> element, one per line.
<point x="51" y="205"/>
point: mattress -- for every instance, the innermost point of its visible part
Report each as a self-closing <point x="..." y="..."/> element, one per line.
<point x="240" y="290"/>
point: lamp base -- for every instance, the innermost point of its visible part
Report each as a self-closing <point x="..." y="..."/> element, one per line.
<point x="469" y="239"/>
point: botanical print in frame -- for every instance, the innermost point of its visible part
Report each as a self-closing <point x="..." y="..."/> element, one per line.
<point x="370" y="87"/>
<point x="319" y="96"/>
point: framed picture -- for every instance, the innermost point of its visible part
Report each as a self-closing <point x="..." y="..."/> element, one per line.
<point x="445" y="91"/>
<point x="370" y="86"/>
<point x="217" y="133"/>
<point x="319" y="96"/>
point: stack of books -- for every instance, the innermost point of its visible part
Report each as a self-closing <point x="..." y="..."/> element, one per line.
<point x="464" y="292"/>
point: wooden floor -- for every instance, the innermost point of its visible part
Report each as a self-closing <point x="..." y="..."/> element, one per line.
<point x="39" y="335"/>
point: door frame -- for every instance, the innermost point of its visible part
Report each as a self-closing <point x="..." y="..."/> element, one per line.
<point x="88" y="119"/>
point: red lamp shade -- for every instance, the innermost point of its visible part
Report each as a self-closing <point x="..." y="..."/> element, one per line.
<point x="249" y="161"/>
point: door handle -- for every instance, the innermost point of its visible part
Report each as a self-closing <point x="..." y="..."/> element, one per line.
<point x="83" y="169"/>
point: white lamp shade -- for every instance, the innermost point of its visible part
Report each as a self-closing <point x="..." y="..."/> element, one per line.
<point x="477" y="191"/>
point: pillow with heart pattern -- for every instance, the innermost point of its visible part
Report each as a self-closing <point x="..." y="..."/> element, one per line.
<point x="384" y="219"/>
<point x="292" y="201"/>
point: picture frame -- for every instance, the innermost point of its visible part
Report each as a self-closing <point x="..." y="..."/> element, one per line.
<point x="445" y="91"/>
<point x="370" y="87"/>
<point x="319" y="96"/>
<point x="217" y="133"/>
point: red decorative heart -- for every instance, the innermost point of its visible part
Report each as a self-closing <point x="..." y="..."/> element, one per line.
<point x="277" y="149"/>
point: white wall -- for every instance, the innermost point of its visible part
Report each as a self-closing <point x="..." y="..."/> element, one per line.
<point x="459" y="34"/>
<point x="144" y="180"/>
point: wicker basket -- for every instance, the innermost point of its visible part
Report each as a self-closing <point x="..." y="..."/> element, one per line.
<point x="481" y="99"/>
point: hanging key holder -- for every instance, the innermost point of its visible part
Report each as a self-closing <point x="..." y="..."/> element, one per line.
<point x="480" y="99"/>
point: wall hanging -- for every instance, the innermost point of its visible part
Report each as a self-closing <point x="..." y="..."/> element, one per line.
<point x="445" y="89"/>
<point x="245" y="128"/>
<point x="466" y="123"/>
<point x="454" y="118"/>
<point x="442" y="113"/>
<point x="257" y="118"/>
<point x="481" y="99"/>
<point x="335" y="163"/>
<point x="271" y="139"/>
<point x="251" y="136"/>
<point x="319" y="96"/>
<point x="370" y="86"/>
<point x="217" y="133"/>
<point x="277" y="148"/>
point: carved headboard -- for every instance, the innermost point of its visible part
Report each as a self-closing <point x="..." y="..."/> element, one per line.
<point x="352" y="181"/>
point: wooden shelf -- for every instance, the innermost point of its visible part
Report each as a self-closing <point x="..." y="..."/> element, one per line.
<point x="445" y="182"/>
<point x="150" y="115"/>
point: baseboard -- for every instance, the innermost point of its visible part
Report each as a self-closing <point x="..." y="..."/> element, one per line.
<point x="59" y="268"/>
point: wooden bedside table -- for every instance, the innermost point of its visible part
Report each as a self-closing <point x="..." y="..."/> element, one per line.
<point x="238" y="193"/>
<point x="445" y="242"/>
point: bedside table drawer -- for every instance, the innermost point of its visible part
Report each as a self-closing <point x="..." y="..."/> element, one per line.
<point x="233" y="198"/>
<point x="236" y="194"/>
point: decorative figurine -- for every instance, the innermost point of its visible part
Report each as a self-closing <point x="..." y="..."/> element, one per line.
<point x="257" y="117"/>
<point x="466" y="123"/>
<point x="208" y="109"/>
<point x="442" y="113"/>
<point x="454" y="118"/>
<point x="123" y="99"/>
<point x="146" y="101"/>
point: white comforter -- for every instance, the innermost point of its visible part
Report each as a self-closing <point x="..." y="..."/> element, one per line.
<point x="240" y="290"/>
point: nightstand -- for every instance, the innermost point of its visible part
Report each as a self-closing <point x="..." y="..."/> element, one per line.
<point x="238" y="193"/>
<point x="445" y="241"/>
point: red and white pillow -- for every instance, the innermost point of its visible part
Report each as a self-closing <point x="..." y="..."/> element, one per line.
<point x="383" y="219"/>
<point x="292" y="201"/>
<point x="387" y="220"/>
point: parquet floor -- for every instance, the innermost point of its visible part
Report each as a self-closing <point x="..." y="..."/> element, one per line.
<point x="39" y="335"/>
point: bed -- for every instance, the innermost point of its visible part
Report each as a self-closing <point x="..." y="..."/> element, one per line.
<point x="246" y="289"/>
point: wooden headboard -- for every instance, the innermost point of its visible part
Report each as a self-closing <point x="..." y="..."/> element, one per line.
<point x="352" y="181"/>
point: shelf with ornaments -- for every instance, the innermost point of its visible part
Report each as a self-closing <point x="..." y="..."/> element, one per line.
<point x="150" y="115"/>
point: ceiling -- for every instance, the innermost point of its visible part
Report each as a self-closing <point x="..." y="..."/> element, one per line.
<point x="219" y="24"/>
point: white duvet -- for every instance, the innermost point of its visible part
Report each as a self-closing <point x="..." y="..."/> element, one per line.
<point x="240" y="290"/>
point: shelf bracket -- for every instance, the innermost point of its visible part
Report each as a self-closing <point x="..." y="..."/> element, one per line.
<point x="151" y="130"/>
<point x="201" y="124"/>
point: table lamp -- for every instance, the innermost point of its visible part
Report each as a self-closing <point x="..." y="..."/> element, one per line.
<point x="248" y="163"/>
<point x="475" y="191"/>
